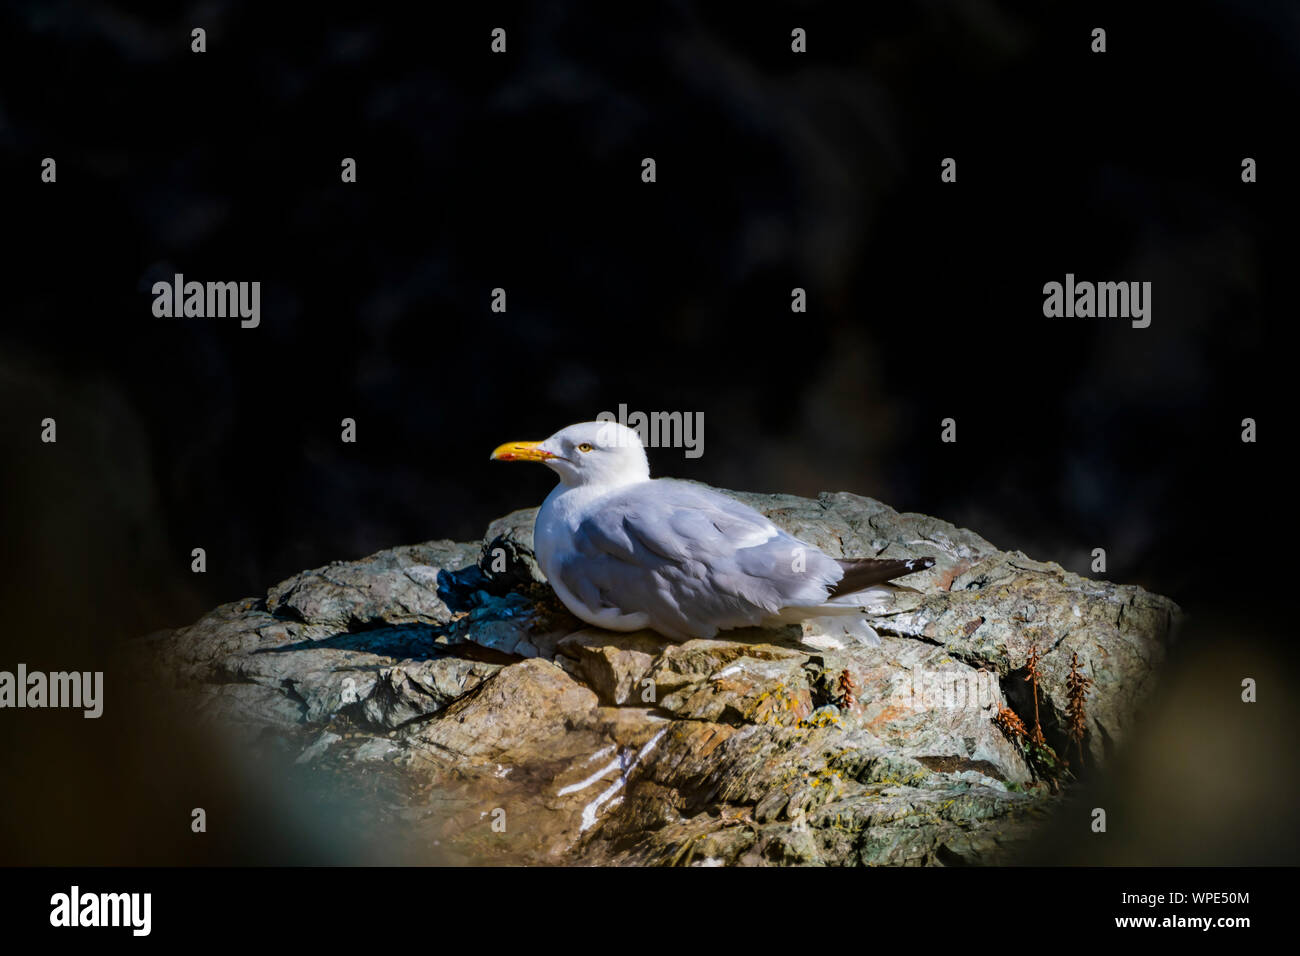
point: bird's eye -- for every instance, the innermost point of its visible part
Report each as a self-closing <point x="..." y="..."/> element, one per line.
<point x="585" y="446"/>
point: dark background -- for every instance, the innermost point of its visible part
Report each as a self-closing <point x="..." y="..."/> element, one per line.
<point x="775" y="170"/>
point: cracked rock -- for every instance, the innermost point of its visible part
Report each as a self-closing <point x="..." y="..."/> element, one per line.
<point x="520" y="734"/>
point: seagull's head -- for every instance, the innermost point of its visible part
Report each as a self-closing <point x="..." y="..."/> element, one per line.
<point x="591" y="453"/>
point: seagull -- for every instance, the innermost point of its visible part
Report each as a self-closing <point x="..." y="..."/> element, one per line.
<point x="627" y="552"/>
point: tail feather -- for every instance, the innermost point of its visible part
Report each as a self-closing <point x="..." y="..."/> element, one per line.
<point x="860" y="573"/>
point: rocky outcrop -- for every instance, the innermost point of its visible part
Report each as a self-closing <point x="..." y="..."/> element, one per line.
<point x="515" y="733"/>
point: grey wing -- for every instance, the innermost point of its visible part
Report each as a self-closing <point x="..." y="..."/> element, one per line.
<point x="692" y="560"/>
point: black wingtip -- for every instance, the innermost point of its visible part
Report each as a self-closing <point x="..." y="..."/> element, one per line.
<point x="860" y="573"/>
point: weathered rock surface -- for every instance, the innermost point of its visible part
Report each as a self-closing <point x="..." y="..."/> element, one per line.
<point x="520" y="734"/>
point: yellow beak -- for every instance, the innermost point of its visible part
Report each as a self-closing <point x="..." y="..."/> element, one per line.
<point x="521" y="451"/>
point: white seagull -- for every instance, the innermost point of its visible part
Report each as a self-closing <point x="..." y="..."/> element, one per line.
<point x="625" y="551"/>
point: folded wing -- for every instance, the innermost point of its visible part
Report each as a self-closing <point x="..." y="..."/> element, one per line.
<point x="693" y="560"/>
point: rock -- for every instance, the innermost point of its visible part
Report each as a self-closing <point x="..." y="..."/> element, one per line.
<point x="518" y="734"/>
<point x="417" y="689"/>
<point x="530" y="701"/>
<point x="392" y="587"/>
<point x="613" y="665"/>
<point x="318" y="747"/>
<point x="734" y="683"/>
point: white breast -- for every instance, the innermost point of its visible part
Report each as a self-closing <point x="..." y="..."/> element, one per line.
<point x="553" y="531"/>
